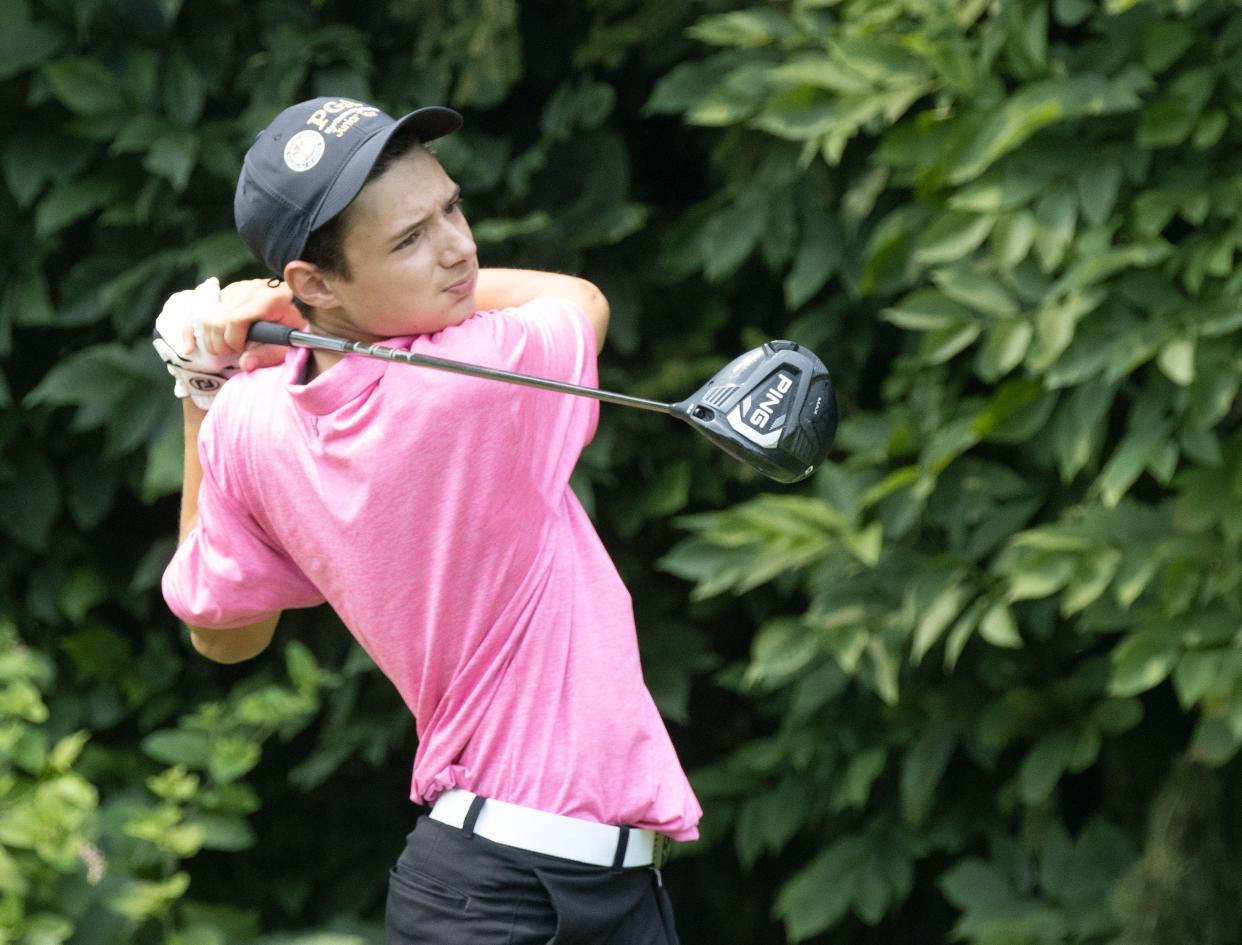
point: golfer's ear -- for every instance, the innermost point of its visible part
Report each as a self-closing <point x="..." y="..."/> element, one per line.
<point x="309" y="284"/>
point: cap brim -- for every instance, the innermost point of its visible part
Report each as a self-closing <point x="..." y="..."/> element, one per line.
<point x="428" y="123"/>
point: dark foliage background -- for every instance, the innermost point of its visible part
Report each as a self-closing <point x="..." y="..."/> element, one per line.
<point x="977" y="680"/>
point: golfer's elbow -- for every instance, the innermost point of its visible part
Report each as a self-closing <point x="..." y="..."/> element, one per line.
<point x="236" y="644"/>
<point x="595" y="305"/>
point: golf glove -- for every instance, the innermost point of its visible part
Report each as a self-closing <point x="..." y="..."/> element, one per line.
<point x="198" y="375"/>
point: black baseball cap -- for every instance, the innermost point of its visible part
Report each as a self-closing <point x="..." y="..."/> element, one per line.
<point x="308" y="164"/>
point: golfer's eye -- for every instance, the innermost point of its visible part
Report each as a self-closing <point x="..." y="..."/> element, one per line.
<point x="453" y="206"/>
<point x="410" y="240"/>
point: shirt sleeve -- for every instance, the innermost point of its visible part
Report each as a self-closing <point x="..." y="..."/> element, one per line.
<point x="550" y="338"/>
<point x="227" y="573"/>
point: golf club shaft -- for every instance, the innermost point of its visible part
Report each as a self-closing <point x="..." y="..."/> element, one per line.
<point x="272" y="333"/>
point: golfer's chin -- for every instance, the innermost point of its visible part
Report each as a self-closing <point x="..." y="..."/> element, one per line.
<point x="462" y="307"/>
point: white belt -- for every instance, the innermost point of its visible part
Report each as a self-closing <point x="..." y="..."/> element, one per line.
<point x="538" y="831"/>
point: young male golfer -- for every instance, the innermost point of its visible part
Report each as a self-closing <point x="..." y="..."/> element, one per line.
<point x="433" y="512"/>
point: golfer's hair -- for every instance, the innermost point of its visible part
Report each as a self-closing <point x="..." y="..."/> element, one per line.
<point x="325" y="247"/>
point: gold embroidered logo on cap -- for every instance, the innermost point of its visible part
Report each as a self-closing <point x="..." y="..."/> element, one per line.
<point x="304" y="150"/>
<point x="339" y="115"/>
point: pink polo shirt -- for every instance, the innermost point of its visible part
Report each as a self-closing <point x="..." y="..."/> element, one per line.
<point x="433" y="512"/>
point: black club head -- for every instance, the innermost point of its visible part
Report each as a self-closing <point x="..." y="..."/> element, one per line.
<point x="772" y="408"/>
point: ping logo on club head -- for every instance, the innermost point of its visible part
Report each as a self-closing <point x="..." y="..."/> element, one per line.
<point x="761" y="414"/>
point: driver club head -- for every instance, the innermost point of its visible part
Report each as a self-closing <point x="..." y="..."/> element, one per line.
<point x="772" y="408"/>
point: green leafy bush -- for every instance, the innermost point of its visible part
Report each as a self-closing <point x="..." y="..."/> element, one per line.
<point x="1026" y="541"/>
<point x="978" y="680"/>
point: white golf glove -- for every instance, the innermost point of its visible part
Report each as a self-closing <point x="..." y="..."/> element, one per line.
<point x="198" y="375"/>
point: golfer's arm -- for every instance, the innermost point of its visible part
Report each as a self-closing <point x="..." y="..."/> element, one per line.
<point x="237" y="643"/>
<point x="507" y="288"/>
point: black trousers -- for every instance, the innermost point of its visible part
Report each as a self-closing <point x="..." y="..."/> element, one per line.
<point x="449" y="888"/>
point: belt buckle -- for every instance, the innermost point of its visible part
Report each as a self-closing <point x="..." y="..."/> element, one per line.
<point x="661" y="847"/>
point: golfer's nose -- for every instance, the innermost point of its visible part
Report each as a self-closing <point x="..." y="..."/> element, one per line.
<point x="458" y="245"/>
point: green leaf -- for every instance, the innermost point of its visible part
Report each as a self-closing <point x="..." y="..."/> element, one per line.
<point x="976" y="290"/>
<point x="1214" y="743"/>
<point x="165" y="463"/>
<point x="99" y="373"/>
<point x="951" y="237"/>
<point x="1013" y="237"/>
<point x="1211" y="127"/>
<point x="1073" y="12"/>
<point x="27" y="46"/>
<point x="820" y="894"/>
<point x="85" y="589"/>
<point x="1142" y="661"/>
<point x="1078" y="430"/>
<point x="927" y="310"/>
<point x="43" y="928"/>
<point x="69" y="202"/>
<point x="1043" y="766"/>
<point x="176" y="747"/>
<point x="821" y="71"/>
<point x="943" y="344"/>
<point x="961" y="633"/>
<point x="1135" y="574"/>
<point x="226" y="832"/>
<point x="1040" y="577"/>
<point x="67" y="750"/>
<point x="854" y="787"/>
<point x="1171" y="119"/>
<point x="769" y="819"/>
<point x="211" y="935"/>
<point x="1035" y="107"/>
<point x="1164" y="43"/>
<point x="817" y="258"/>
<point x="174" y="784"/>
<point x="666" y="494"/>
<point x="219" y="254"/>
<point x="730" y="236"/>
<point x="230" y="757"/>
<point x="32" y="159"/>
<point x="1098" y="185"/>
<point x="26" y="300"/>
<point x="184" y="91"/>
<point x="1056" y="323"/>
<point x="976" y="886"/>
<point x="1165" y="124"/>
<point x="1177" y="361"/>
<point x="499" y="230"/>
<point x="173" y="157"/>
<point x="85" y="86"/>
<point x="999" y="628"/>
<point x="742" y="28"/>
<point x="1056" y="216"/>
<point x="29" y="498"/>
<point x="141" y="900"/>
<point x="737" y="98"/>
<point x="1117" y="716"/>
<point x="1089" y="582"/>
<point x="687" y="84"/>
<point x="1196" y="672"/>
<point x="935" y="618"/>
<point x="1006" y="345"/>
<point x="924" y="766"/>
<point x="780" y="651"/>
<point x="997" y="192"/>
<point x="1139" y="448"/>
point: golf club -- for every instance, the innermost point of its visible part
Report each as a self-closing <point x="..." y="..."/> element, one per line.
<point x="772" y="408"/>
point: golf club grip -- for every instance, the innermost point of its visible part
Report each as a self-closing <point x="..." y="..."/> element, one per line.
<point x="269" y="333"/>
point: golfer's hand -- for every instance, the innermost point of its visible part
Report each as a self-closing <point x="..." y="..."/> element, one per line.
<point x="196" y="374"/>
<point x="222" y="331"/>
